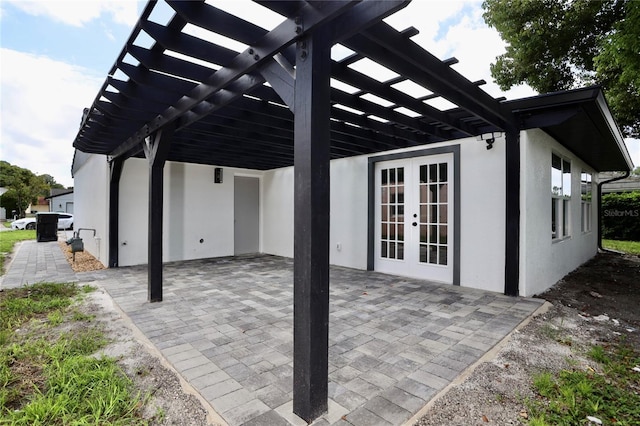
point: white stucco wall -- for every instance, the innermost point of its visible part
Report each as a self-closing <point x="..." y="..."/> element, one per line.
<point x="542" y="261"/>
<point x="277" y="207"/>
<point x="482" y="212"/>
<point x="348" y="203"/>
<point x="482" y="215"/>
<point x="198" y="216"/>
<point x="91" y="205"/>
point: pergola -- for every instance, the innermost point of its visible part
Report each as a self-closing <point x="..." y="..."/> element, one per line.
<point x="281" y="99"/>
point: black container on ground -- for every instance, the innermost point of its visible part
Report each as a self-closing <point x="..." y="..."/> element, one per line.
<point x="46" y="227"/>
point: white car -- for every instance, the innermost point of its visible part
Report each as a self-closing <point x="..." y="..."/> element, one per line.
<point x="65" y="221"/>
<point x="26" y="223"/>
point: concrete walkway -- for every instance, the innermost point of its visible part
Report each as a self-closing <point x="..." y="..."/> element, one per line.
<point x="226" y="326"/>
<point x="34" y="262"/>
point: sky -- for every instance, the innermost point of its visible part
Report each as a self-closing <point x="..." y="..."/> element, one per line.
<point x="56" y="54"/>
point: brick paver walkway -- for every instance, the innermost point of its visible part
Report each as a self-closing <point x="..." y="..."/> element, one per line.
<point x="226" y="326"/>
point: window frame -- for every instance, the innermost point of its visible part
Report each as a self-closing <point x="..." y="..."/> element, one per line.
<point x="561" y="182"/>
<point x="586" y="201"/>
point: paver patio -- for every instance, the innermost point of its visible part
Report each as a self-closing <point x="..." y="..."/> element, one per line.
<point x="226" y="325"/>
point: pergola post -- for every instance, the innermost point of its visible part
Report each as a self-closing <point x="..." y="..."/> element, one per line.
<point x="512" y="231"/>
<point x="311" y="227"/>
<point x="114" y="207"/>
<point x="156" y="149"/>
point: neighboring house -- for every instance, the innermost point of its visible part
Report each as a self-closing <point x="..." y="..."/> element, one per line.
<point x="41" y="206"/>
<point x="61" y="200"/>
<point x="488" y="194"/>
<point x="631" y="183"/>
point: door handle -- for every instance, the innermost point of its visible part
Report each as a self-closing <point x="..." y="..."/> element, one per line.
<point x="415" y="224"/>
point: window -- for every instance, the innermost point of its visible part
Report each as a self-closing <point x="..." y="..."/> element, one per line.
<point x="560" y="197"/>
<point x="392" y="205"/>
<point x="586" y="188"/>
<point x="434" y="192"/>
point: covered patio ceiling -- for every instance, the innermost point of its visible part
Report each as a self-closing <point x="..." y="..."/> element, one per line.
<point x="226" y="83"/>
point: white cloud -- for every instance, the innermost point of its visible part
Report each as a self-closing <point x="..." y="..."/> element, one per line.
<point x="633" y="146"/>
<point x="456" y="28"/>
<point x="428" y="16"/>
<point x="41" y="107"/>
<point x="80" y="12"/>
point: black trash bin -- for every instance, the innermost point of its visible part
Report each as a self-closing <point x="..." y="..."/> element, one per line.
<point x="46" y="227"/>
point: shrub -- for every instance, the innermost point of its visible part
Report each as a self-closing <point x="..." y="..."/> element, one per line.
<point x="621" y="216"/>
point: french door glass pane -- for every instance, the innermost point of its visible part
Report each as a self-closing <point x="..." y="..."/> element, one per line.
<point x="443" y="172"/>
<point x="392" y="213"/>
<point x="433" y="213"/>
<point x="433" y="173"/>
<point x="433" y="254"/>
<point x="443" y="192"/>
<point x="443" y="255"/>
<point x="443" y="213"/>
<point x="443" y="234"/>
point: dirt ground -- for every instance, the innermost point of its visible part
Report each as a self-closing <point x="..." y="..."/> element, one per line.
<point x="596" y="304"/>
<point x="171" y="401"/>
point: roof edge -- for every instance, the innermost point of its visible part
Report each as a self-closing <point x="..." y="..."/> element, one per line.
<point x="603" y="106"/>
<point x="592" y="96"/>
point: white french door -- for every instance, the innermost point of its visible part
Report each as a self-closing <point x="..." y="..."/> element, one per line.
<point x="414" y="217"/>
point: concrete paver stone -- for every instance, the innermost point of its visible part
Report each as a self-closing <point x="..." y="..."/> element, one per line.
<point x="226" y="326"/>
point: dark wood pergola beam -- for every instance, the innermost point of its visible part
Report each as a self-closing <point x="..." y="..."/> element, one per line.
<point x="311" y="225"/>
<point x="244" y="63"/>
<point x="189" y="45"/>
<point x="134" y="89"/>
<point x="381" y="43"/>
<point x="383" y="90"/>
<point x="156" y="59"/>
<point x="385" y="136"/>
<point x="156" y="150"/>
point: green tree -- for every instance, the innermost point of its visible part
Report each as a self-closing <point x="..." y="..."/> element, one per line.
<point x="51" y="182"/>
<point x="23" y="187"/>
<point x="561" y="44"/>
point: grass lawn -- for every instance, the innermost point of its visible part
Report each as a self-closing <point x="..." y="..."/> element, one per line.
<point x="604" y="391"/>
<point x="49" y="373"/>
<point x="9" y="238"/>
<point x="631" y="247"/>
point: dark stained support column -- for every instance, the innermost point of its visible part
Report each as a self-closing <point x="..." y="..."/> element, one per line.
<point x="156" y="151"/>
<point x="114" y="206"/>
<point x="311" y="228"/>
<point x="512" y="240"/>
